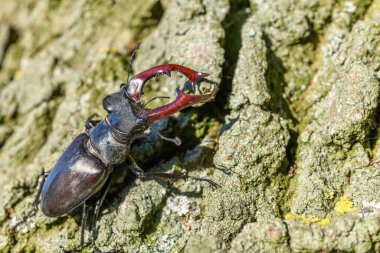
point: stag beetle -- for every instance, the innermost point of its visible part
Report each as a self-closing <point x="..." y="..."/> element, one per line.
<point x="85" y="166"/>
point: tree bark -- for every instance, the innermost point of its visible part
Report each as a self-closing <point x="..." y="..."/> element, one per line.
<point x="292" y="135"/>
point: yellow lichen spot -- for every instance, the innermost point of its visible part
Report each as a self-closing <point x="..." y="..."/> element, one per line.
<point x="344" y="205"/>
<point x="107" y="50"/>
<point x="329" y="195"/>
<point x="302" y="218"/>
<point x="17" y="74"/>
<point x="290" y="216"/>
<point x="324" y="222"/>
<point x="314" y="220"/>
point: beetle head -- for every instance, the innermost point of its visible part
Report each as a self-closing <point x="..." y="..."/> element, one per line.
<point x="188" y="96"/>
<point x="124" y="115"/>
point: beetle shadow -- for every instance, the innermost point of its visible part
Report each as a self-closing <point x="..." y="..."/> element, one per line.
<point x="175" y="191"/>
<point x="228" y="125"/>
<point x="194" y="161"/>
<point x="225" y="171"/>
<point x="191" y="160"/>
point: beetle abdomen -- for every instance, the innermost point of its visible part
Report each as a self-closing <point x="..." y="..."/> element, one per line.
<point x="76" y="176"/>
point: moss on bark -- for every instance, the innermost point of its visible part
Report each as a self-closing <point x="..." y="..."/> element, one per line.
<point x="292" y="135"/>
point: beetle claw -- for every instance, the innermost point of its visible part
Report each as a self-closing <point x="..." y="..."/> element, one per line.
<point x="136" y="84"/>
<point x="185" y="98"/>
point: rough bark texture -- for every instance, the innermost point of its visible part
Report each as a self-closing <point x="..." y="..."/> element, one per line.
<point x="292" y="135"/>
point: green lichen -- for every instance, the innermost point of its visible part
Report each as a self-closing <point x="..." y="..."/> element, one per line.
<point x="291" y="135"/>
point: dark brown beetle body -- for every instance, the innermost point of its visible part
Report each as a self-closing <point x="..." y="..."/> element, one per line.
<point x="67" y="186"/>
<point x="86" y="164"/>
<point x="84" y="168"/>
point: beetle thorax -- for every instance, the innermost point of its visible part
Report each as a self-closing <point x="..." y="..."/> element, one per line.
<point x="112" y="137"/>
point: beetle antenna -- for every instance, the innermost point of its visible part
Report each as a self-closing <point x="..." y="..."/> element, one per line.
<point x="133" y="55"/>
<point x="152" y="99"/>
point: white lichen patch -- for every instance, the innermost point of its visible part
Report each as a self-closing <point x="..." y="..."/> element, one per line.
<point x="178" y="204"/>
<point x="3" y="242"/>
<point x="23" y="226"/>
<point x="165" y="243"/>
<point x="370" y="208"/>
<point x="349" y="7"/>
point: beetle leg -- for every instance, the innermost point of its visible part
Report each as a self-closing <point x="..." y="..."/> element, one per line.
<point x="140" y="173"/>
<point x="91" y="123"/>
<point x="96" y="214"/>
<point x="176" y="140"/>
<point x="84" y="223"/>
<point x="40" y="184"/>
<point x="136" y="84"/>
